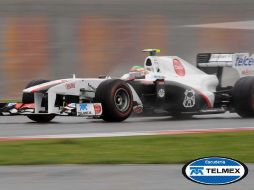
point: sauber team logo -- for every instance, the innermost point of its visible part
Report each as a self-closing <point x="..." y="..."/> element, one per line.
<point x="189" y="99"/>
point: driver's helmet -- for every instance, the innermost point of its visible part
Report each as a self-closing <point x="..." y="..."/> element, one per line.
<point x="137" y="69"/>
<point x="137" y="72"/>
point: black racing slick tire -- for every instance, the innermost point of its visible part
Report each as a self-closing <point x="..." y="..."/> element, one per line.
<point x="41" y="118"/>
<point x="116" y="98"/>
<point x="243" y="97"/>
<point x="28" y="98"/>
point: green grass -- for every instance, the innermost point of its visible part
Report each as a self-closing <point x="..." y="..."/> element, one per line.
<point x="127" y="150"/>
<point x="9" y="101"/>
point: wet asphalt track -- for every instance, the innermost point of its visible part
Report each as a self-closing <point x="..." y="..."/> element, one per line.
<point x="111" y="177"/>
<point x="121" y="177"/>
<point x="21" y="126"/>
<point x="107" y="177"/>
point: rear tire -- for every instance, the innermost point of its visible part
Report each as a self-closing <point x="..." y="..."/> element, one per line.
<point x="243" y="97"/>
<point x="28" y="98"/>
<point x="116" y="98"/>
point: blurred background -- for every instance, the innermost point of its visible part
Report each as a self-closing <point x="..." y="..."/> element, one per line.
<point x="51" y="39"/>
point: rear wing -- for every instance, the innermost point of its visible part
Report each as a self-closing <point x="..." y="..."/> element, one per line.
<point x="242" y="62"/>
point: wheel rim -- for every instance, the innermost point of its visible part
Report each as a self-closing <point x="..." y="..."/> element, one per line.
<point x="122" y="100"/>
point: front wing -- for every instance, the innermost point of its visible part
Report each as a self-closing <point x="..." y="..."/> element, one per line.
<point x="73" y="109"/>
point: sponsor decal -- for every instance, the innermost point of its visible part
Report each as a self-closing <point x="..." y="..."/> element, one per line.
<point x="89" y="109"/>
<point x="161" y="93"/>
<point x="221" y="57"/>
<point x="189" y="99"/>
<point x="97" y="109"/>
<point x="84" y="109"/>
<point x="244" y="60"/>
<point x="158" y="77"/>
<point x="244" y="64"/>
<point x="247" y="72"/>
<point x="178" y="66"/>
<point x="215" y="170"/>
<point x="69" y="86"/>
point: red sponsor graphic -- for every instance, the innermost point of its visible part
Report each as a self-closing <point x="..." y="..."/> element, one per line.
<point x="69" y="86"/>
<point x="179" y="69"/>
<point x="247" y="72"/>
<point x="97" y="109"/>
<point x="21" y="105"/>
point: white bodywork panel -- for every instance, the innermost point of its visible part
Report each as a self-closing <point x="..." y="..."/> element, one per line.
<point x="173" y="68"/>
<point x="192" y="77"/>
<point x="169" y="68"/>
<point x="70" y="86"/>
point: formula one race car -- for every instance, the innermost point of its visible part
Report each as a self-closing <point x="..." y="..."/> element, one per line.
<point x="166" y="83"/>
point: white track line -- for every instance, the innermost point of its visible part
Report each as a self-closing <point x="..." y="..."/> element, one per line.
<point x="125" y="134"/>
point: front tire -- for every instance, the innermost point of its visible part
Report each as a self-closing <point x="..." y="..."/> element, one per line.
<point x="41" y="118"/>
<point x="116" y="98"/>
<point x="243" y="97"/>
<point x="28" y="98"/>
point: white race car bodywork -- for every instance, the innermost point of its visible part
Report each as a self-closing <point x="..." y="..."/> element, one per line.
<point x="69" y="86"/>
<point x="164" y="67"/>
<point x="168" y="83"/>
<point x="72" y="86"/>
